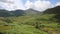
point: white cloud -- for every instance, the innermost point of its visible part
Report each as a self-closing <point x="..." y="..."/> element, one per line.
<point x="11" y="4"/>
<point x="42" y="5"/>
<point x="57" y="4"/>
<point x="39" y="5"/>
<point x="28" y="4"/>
<point x="18" y="4"/>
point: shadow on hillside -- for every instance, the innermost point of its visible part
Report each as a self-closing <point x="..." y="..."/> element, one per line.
<point x="56" y="18"/>
<point x="2" y="33"/>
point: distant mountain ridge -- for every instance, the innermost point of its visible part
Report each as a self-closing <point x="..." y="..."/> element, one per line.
<point x="32" y="11"/>
<point x="5" y="13"/>
<point x="15" y="13"/>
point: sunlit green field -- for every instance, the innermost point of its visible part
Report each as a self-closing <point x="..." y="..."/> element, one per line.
<point x="38" y="24"/>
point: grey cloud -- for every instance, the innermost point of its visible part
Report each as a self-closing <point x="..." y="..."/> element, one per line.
<point x="6" y="1"/>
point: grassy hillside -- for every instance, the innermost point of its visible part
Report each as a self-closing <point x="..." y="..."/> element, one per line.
<point x="30" y="24"/>
<point x="39" y="24"/>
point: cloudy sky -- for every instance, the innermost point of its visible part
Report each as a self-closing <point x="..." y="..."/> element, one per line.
<point x="39" y="5"/>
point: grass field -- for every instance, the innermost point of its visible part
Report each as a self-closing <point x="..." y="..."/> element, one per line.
<point x="38" y="24"/>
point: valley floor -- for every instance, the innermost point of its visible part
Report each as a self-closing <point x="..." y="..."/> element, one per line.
<point x="38" y="24"/>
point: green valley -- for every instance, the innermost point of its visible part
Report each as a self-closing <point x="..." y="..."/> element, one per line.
<point x="30" y="22"/>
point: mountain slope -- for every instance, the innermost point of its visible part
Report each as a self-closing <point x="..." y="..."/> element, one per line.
<point x="5" y="13"/>
<point x="55" y="10"/>
<point x="31" y="11"/>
